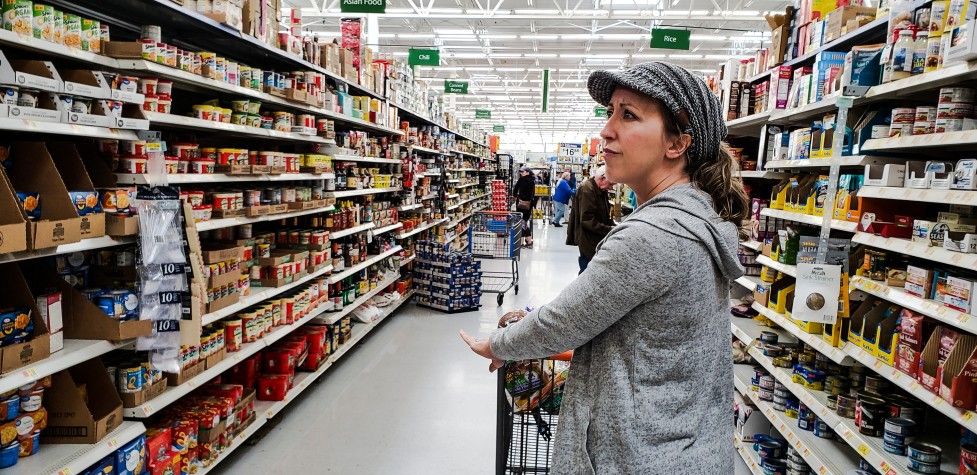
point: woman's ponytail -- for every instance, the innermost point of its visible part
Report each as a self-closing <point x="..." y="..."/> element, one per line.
<point x="719" y="179"/>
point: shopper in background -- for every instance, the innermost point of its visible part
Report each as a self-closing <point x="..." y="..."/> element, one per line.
<point x="561" y="197"/>
<point x="590" y="216"/>
<point x="651" y="381"/>
<point x="525" y="194"/>
<point x="573" y="179"/>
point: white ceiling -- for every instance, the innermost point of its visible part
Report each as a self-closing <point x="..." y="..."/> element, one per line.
<point x="502" y="47"/>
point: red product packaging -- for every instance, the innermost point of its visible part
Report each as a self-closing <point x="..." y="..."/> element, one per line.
<point x="935" y="353"/>
<point x="159" y="442"/>
<point x="245" y="373"/>
<point x="914" y="331"/>
<point x="273" y="387"/>
<point x="277" y="361"/>
<point x="185" y="435"/>
<point x="164" y="465"/>
<point x="958" y="374"/>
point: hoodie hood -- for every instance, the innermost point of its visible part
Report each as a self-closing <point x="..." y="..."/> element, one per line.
<point x="687" y="211"/>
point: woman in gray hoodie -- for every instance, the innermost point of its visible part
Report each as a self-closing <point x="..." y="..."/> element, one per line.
<point x="651" y="380"/>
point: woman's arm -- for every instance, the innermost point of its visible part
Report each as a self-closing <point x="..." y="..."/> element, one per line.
<point x="631" y="267"/>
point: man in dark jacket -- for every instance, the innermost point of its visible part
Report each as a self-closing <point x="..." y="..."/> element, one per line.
<point x="590" y="216"/>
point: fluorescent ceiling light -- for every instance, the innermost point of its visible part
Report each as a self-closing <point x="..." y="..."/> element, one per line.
<point x="447" y="68"/>
<point x="573" y="55"/>
<point x="698" y="12"/>
<point x="449" y="31"/>
<point x="504" y="56"/>
<point x="742" y="13"/>
<point x="649" y="56"/>
<point x="516" y="70"/>
<point x="540" y="55"/>
<point x="398" y="53"/>
<point x="446" y="10"/>
<point x="469" y="47"/>
<point x="387" y="35"/>
<point x="465" y="55"/>
<point x="418" y="36"/>
<point x="685" y="56"/>
<point x="478" y="68"/>
<point x="536" y="12"/>
<point x="624" y="37"/>
<point x="497" y="98"/>
<point x="708" y="37"/>
<point x="539" y="37"/>
<point x="499" y="37"/>
<point x="721" y="56"/>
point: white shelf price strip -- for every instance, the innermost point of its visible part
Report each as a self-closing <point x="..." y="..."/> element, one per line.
<point x="918" y="249"/>
<point x="846" y="226"/>
<point x="386" y="229"/>
<point x="180" y="178"/>
<point x="365" y="191"/>
<point x="260" y="294"/>
<point x="333" y="235"/>
<point x="923" y="306"/>
<point x="83" y="245"/>
<point x="420" y="229"/>
<point x="953" y="197"/>
<point x="73" y="353"/>
<point x="229" y="222"/>
<point x="363" y="265"/>
<point x="785" y="268"/>
<point x="358" y="158"/>
<point x="749" y="282"/>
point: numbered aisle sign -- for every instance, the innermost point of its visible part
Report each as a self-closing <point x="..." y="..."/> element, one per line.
<point x="571" y="150"/>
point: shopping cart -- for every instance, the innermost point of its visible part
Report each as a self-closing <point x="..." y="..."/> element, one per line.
<point x="496" y="235"/>
<point x="530" y="393"/>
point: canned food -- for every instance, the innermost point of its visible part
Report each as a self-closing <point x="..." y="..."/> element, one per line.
<point x="130" y="379"/>
<point x="968" y="459"/>
<point x="925" y="452"/>
<point x="923" y="467"/>
<point x="164" y="87"/>
<point x="9" y="95"/>
<point x="900" y="426"/>
<point x="903" y="115"/>
<point x="900" y="130"/>
<point x="893" y="447"/>
<point x="163" y="105"/>
<point x="823" y="430"/>
<point x="955" y="110"/>
<point x="151" y="32"/>
<point x="28" y="97"/>
<point x="134" y="165"/>
<point x="897" y="440"/>
<point x="925" y="114"/>
<point x="923" y="128"/>
<point x="869" y="413"/>
<point x="957" y="95"/>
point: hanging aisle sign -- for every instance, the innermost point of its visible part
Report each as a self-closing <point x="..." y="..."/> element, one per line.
<point x="483" y="114"/>
<point x="363" y="6"/>
<point x="600" y="111"/>
<point x="570" y="150"/>
<point x="455" y="87"/>
<point x="670" y="39"/>
<point x="423" y="57"/>
<point x="498" y="128"/>
<point x="546" y="91"/>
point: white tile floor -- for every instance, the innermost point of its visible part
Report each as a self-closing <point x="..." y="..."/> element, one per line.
<point x="412" y="398"/>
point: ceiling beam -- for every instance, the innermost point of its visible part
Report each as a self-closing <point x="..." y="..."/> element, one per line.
<point x="582" y="16"/>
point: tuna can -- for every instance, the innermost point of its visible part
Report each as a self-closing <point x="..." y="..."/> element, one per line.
<point x="805" y="417"/>
<point x="900" y="426"/>
<point x="846" y="406"/>
<point x="832" y="402"/>
<point x="923" y="467"/>
<point x="768" y="337"/>
<point x="968" y="459"/>
<point x="783" y="362"/>
<point x="773" y="466"/>
<point x="875" y="385"/>
<point x="893" y="447"/>
<point x="770" y="449"/>
<point x="823" y="430"/>
<point x="869" y="414"/>
<point x="130" y="379"/>
<point x="926" y="453"/>
<point x="151" y="32"/>
<point x="794" y="456"/>
<point x="772" y="351"/>
<point x="906" y="408"/>
<point x="898" y="440"/>
<point x="903" y="115"/>
<point x="957" y="94"/>
<point x="795" y="466"/>
<point x="792" y="407"/>
<point x="767" y="382"/>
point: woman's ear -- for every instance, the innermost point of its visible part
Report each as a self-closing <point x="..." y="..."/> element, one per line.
<point x="678" y="146"/>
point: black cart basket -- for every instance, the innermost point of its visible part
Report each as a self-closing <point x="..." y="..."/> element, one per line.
<point x="530" y="393"/>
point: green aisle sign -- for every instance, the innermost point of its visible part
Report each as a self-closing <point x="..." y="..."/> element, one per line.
<point x="363" y="6"/>
<point x="423" y="57"/>
<point x="498" y="128"/>
<point x="670" y="39"/>
<point x="455" y="87"/>
<point x="600" y="111"/>
<point x="483" y="114"/>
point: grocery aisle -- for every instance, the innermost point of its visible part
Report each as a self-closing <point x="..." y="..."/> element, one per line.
<point x="412" y="398"/>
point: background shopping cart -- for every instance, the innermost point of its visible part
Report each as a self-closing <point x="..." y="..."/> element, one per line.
<point x="529" y="396"/>
<point x="496" y="235"/>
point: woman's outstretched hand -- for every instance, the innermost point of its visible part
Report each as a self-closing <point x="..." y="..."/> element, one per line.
<point x="483" y="349"/>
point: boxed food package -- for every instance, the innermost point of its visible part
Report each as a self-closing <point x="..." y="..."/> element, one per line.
<point x="915" y="331"/>
<point x="957" y="386"/>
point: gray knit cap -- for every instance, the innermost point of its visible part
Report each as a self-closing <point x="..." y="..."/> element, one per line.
<point x="680" y="91"/>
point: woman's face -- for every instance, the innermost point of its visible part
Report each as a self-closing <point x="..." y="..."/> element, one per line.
<point x="635" y="137"/>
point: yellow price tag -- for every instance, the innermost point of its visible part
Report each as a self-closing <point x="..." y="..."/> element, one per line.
<point x="967" y="415"/>
<point x="64" y="471"/>
<point x="863" y="449"/>
<point x="822" y="470"/>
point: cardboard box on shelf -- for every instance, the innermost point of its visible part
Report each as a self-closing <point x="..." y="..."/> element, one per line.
<point x="75" y="415"/>
<point x="213" y="256"/>
<point x="16" y="293"/>
<point x="187" y="372"/>
<point x="957" y="384"/>
<point x="33" y="170"/>
<point x="228" y="12"/>
<point x="148" y="393"/>
<point x="13" y="226"/>
<point x="780" y="33"/>
<point x="72" y="170"/>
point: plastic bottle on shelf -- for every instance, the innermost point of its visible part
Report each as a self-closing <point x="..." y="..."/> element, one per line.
<point x="340" y="178"/>
<point x="902" y="55"/>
